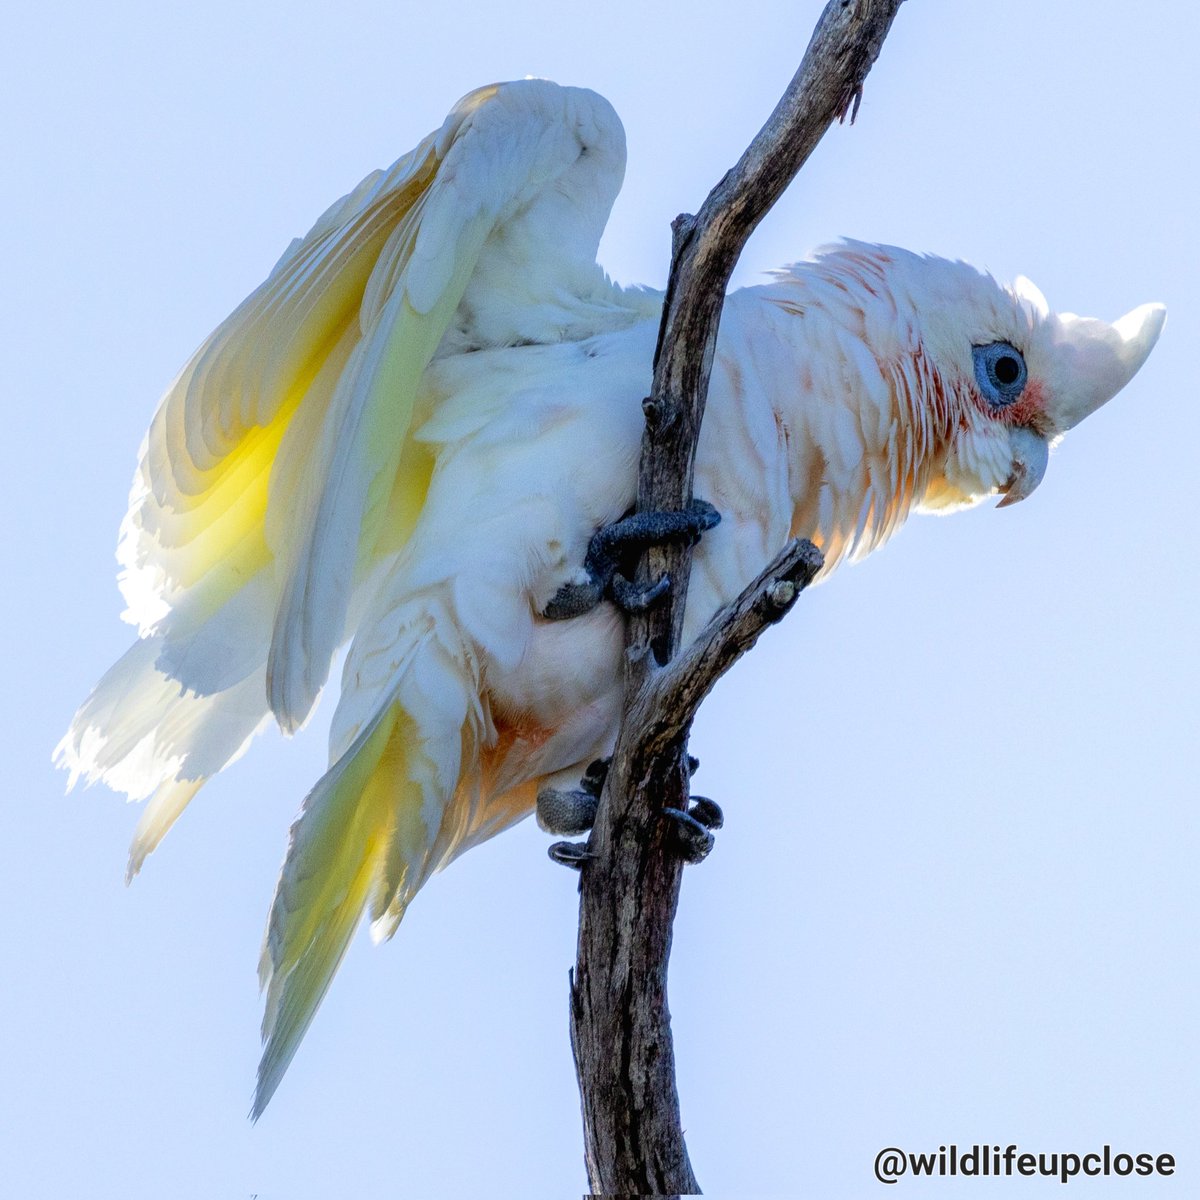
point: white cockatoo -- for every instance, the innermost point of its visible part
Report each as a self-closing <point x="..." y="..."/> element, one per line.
<point x="406" y="439"/>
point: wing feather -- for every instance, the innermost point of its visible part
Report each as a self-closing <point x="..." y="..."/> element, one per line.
<point x="279" y="472"/>
<point x="335" y="341"/>
<point x="508" y="147"/>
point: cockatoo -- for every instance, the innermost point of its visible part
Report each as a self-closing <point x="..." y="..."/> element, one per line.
<point x="406" y="439"/>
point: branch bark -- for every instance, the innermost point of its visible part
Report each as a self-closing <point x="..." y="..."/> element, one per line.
<point x="620" y="1023"/>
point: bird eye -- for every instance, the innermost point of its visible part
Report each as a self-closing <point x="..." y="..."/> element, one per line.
<point x="1000" y="372"/>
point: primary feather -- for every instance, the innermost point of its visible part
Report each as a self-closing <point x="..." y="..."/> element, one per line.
<point x="405" y="438"/>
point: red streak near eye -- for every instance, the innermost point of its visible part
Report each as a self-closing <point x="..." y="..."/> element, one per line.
<point x="1029" y="409"/>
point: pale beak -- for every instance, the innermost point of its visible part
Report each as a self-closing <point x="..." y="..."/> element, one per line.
<point x="1031" y="453"/>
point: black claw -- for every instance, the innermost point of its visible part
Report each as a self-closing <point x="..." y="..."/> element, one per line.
<point x="630" y="598"/>
<point x="707" y="812"/>
<point x="595" y="775"/>
<point x="693" y="841"/>
<point x="569" y="854"/>
<point x="705" y="516"/>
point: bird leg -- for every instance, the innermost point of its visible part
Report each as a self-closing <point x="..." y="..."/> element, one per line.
<point x="612" y="555"/>
<point x="572" y="811"/>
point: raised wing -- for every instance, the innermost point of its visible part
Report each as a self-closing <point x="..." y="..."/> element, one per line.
<point x="278" y="467"/>
<point x="523" y="178"/>
<point x="279" y="443"/>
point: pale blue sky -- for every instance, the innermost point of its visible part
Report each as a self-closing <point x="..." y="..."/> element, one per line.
<point x="955" y="898"/>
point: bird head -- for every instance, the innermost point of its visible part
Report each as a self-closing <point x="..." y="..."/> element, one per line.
<point x="1078" y="364"/>
<point x="1010" y="376"/>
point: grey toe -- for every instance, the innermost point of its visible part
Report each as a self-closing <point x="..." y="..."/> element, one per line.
<point x="569" y="854"/>
<point x="707" y="812"/>
<point x="692" y="840"/>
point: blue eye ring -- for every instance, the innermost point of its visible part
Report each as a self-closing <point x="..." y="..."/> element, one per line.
<point x="1000" y="372"/>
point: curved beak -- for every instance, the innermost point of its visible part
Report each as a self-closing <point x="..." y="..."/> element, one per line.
<point x="1031" y="453"/>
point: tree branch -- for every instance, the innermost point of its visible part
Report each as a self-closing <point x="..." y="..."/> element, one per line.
<point x="620" y="1024"/>
<point x="663" y="711"/>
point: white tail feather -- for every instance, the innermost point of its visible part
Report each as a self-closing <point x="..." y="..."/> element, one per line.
<point x="141" y="733"/>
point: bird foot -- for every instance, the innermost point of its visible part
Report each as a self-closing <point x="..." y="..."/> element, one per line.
<point x="612" y="555"/>
<point x="692" y="830"/>
<point x="572" y="811"/>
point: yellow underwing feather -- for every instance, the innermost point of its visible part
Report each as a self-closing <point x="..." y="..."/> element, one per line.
<point x="206" y="470"/>
<point x="359" y="462"/>
<point x="336" y="849"/>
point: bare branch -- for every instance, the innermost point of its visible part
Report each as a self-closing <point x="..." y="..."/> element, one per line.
<point x="663" y="711"/>
<point x="620" y="1025"/>
<point x="844" y="45"/>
